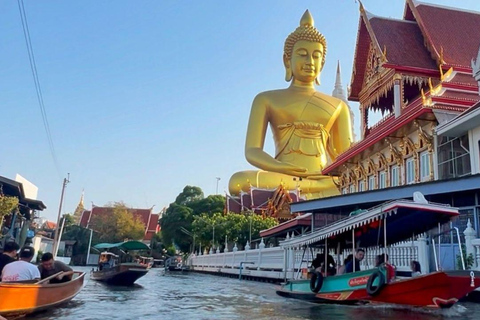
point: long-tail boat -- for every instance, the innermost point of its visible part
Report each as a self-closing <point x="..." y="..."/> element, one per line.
<point x="111" y="271"/>
<point x="396" y="221"/>
<point x="21" y="298"/>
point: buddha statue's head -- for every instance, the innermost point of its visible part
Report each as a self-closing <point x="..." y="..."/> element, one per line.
<point x="306" y="41"/>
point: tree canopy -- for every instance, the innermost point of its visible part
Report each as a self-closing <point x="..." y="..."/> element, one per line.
<point x="118" y="226"/>
<point x="193" y="216"/>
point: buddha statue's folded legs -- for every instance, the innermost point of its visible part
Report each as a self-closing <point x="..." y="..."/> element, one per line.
<point x="323" y="186"/>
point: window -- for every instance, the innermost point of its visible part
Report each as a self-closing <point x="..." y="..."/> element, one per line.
<point x="344" y="190"/>
<point x="425" y="166"/>
<point x="410" y="171"/>
<point x="394" y="173"/>
<point x="382" y="180"/>
<point x="371" y="182"/>
<point x="361" y="185"/>
<point x="352" y="188"/>
<point x="453" y="157"/>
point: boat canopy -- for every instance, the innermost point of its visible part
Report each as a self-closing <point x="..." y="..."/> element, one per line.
<point x="403" y="219"/>
<point x="127" y="245"/>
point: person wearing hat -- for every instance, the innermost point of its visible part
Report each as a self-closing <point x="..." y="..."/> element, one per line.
<point x="21" y="270"/>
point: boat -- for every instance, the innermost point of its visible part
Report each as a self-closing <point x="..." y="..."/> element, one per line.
<point x="175" y="263"/>
<point x="111" y="271"/>
<point x="396" y="221"/>
<point x="21" y="298"/>
<point x="148" y="261"/>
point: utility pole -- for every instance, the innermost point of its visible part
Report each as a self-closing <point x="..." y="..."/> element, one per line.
<point x="57" y="239"/>
<point x="216" y="190"/>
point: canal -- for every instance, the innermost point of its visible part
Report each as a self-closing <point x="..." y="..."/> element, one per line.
<point x="198" y="296"/>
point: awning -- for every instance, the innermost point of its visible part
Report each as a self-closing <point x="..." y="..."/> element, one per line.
<point x="403" y="220"/>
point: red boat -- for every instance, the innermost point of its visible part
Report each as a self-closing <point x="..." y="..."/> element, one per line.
<point x="399" y="220"/>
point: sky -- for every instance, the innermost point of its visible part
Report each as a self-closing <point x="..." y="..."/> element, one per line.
<point x="146" y="97"/>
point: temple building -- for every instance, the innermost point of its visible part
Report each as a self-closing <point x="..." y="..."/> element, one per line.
<point x="146" y="216"/>
<point x="417" y="73"/>
<point x="423" y="73"/>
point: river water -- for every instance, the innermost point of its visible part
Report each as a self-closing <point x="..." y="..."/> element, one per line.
<point x="198" y="296"/>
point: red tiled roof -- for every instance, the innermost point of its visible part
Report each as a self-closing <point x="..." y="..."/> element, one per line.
<point x="464" y="79"/>
<point x="359" y="63"/>
<point x="85" y="218"/>
<point x="149" y="219"/>
<point x="288" y="225"/>
<point x="403" y="42"/>
<point x="49" y="225"/>
<point x="454" y="30"/>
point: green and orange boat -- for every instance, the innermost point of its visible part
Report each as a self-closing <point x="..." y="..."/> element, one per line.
<point x="396" y="221"/>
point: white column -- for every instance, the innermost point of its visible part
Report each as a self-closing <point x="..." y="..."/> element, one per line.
<point x="423" y="254"/>
<point x="470" y="235"/>
<point x="397" y="94"/>
<point x="476" y="245"/>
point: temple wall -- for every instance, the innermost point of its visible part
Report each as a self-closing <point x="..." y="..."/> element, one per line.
<point x="400" y="160"/>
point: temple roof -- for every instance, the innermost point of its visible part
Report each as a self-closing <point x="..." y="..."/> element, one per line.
<point x="428" y="35"/>
<point x="149" y="219"/>
<point x="403" y="42"/>
<point x="451" y="30"/>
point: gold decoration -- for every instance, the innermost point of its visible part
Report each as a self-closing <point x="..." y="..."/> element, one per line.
<point x="382" y="161"/>
<point x="396" y="155"/>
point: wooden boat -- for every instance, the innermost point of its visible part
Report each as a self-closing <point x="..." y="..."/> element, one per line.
<point x="111" y="271"/>
<point x="21" y="298"/>
<point x="397" y="221"/>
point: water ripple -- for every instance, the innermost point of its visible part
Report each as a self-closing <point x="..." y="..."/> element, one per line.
<point x="198" y="296"/>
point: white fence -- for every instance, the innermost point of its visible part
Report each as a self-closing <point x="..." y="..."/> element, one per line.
<point x="280" y="263"/>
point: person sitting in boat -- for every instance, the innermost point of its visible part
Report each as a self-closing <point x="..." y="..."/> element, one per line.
<point x="416" y="269"/>
<point x="21" y="270"/>
<point x="349" y="258"/>
<point x="354" y="264"/>
<point x="380" y="259"/>
<point x="317" y="262"/>
<point x="331" y="266"/>
<point x="49" y="267"/>
<point x="9" y="254"/>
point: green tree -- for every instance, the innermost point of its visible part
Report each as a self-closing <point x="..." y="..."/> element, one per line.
<point x="175" y="217"/>
<point x="69" y="220"/>
<point x="82" y="237"/>
<point x="232" y="226"/>
<point x="188" y="195"/>
<point x="211" y="204"/>
<point x="7" y="205"/>
<point x="121" y="224"/>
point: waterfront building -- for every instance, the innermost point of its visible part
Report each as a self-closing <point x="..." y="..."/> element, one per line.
<point x="16" y="224"/>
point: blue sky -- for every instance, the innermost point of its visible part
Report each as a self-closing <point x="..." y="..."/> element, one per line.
<point x="146" y="97"/>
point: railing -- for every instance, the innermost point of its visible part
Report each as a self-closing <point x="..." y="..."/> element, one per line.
<point x="278" y="262"/>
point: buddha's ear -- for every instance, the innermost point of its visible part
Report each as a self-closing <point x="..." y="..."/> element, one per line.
<point x="288" y="69"/>
<point x="317" y="80"/>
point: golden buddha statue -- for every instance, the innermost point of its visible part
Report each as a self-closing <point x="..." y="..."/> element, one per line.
<point x="309" y="128"/>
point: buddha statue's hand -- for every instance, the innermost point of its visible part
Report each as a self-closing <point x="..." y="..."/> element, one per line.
<point x="317" y="176"/>
<point x="290" y="169"/>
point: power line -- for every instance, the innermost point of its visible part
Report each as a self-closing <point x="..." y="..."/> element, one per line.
<point x="38" y="89"/>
